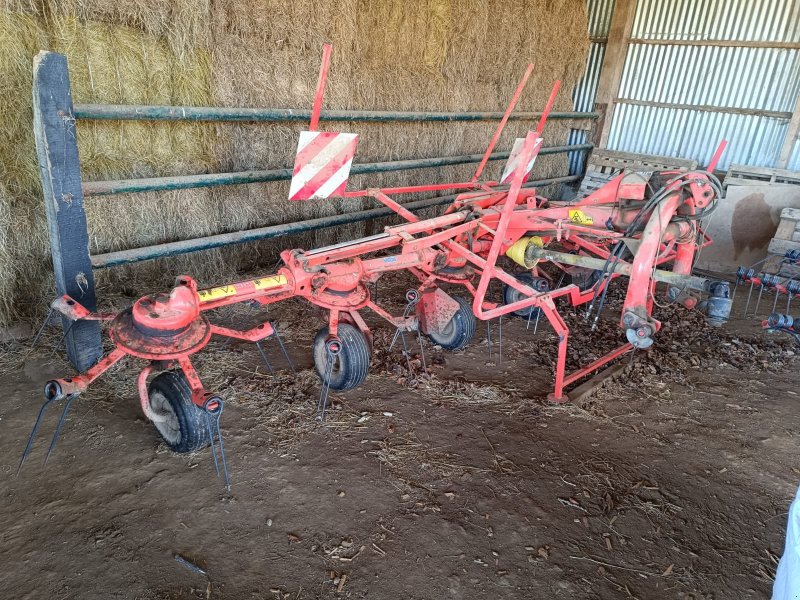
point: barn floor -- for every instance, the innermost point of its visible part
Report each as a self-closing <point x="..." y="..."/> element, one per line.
<point x="671" y="482"/>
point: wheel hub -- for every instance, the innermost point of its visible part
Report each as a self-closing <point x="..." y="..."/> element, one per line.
<point x="163" y="326"/>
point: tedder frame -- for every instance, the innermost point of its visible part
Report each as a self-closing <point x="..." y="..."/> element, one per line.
<point x="634" y="227"/>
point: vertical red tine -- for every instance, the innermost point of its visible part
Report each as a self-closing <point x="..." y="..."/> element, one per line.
<point x="548" y="107"/>
<point x="717" y="155"/>
<point x="323" y="77"/>
<point x="503" y="121"/>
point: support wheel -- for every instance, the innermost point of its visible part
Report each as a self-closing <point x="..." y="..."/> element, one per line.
<point x="459" y="330"/>
<point x="511" y="295"/>
<point x="350" y="365"/>
<point x="180" y="422"/>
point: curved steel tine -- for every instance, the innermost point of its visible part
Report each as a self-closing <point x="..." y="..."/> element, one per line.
<point x="283" y="349"/>
<point x="326" y="384"/>
<point x="406" y="353"/>
<point x="500" y="342"/>
<point x="422" y="352"/>
<point x="222" y="451"/>
<point x="38" y="422"/>
<point x="70" y="398"/>
<point x="64" y="336"/>
<point x="264" y="356"/>
<point x="41" y="329"/>
<point x="394" y="339"/>
<point x="211" y="441"/>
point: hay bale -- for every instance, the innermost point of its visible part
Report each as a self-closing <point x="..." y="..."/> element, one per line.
<point x="184" y="24"/>
<point x="108" y="64"/>
<point x="435" y="55"/>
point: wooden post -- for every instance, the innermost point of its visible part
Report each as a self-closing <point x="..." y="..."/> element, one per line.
<point x="59" y="167"/>
<point x="619" y="34"/>
<point x="792" y="137"/>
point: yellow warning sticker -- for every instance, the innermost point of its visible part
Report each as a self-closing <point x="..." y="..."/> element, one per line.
<point x="579" y="217"/>
<point x="263" y="283"/>
<point x="216" y="293"/>
<point x="272" y="281"/>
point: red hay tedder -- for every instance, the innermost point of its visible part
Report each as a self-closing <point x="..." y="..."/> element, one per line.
<point x="635" y="226"/>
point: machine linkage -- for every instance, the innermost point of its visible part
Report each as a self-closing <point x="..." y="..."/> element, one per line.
<point x="645" y="228"/>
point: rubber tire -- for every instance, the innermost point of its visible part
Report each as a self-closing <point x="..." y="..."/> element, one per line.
<point x="511" y="295"/>
<point x="351" y="364"/>
<point x="192" y="422"/>
<point x="459" y="330"/>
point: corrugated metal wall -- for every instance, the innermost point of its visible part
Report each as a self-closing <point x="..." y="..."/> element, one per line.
<point x="744" y="94"/>
<point x="585" y="91"/>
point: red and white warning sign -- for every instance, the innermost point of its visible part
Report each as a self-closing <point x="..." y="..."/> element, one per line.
<point x="513" y="159"/>
<point x="322" y="164"/>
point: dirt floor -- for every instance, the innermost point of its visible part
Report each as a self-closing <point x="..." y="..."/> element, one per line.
<point x="672" y="481"/>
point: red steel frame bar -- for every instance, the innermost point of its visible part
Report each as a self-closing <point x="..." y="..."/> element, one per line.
<point x="548" y="107"/>
<point x="593" y="366"/>
<point x="323" y="77"/>
<point x="503" y="121"/>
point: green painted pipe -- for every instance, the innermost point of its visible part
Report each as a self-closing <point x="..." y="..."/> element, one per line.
<point x="183" y="182"/>
<point x="121" y="257"/>
<point x="209" y="113"/>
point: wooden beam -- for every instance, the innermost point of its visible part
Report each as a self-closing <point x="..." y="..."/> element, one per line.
<point x="719" y="43"/>
<point x="611" y="73"/>
<point x="792" y="136"/>
<point x="59" y="168"/>
<point x="753" y="112"/>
